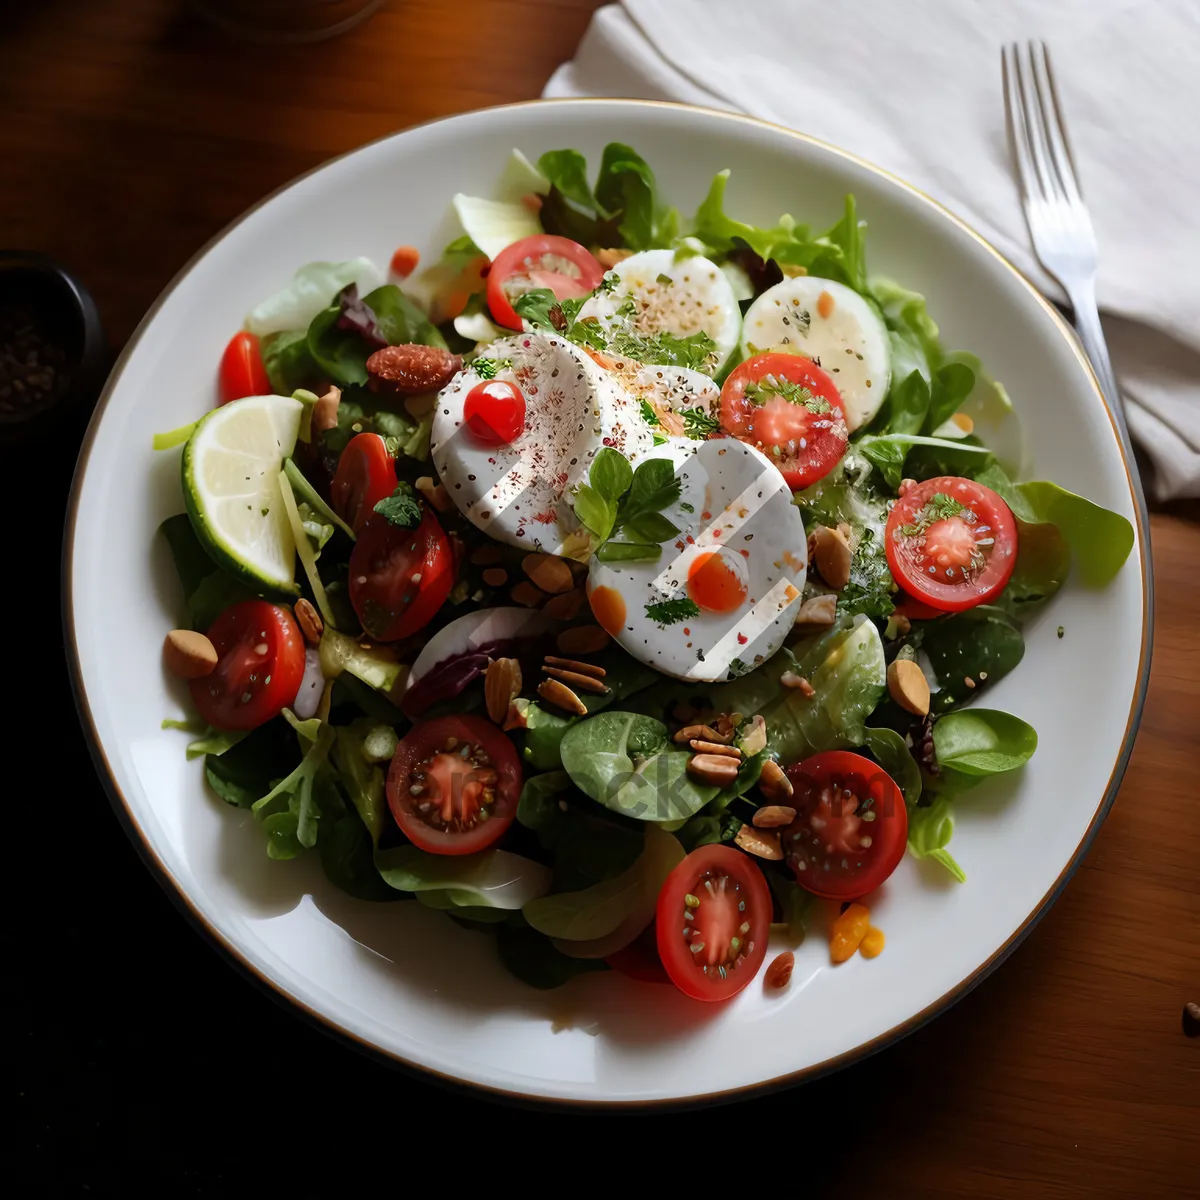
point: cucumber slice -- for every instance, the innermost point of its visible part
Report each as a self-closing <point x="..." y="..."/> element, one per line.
<point x="231" y="468"/>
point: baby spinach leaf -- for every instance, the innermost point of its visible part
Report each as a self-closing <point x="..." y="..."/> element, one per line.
<point x="341" y="354"/>
<point x="629" y="552"/>
<point x="1100" y="540"/>
<point x="981" y="741"/>
<point x="952" y="384"/>
<point x="400" y="320"/>
<point x="531" y="957"/>
<point x="708" y="827"/>
<point x="649" y="527"/>
<point x="347" y="858"/>
<point x="626" y="186"/>
<point x="598" y="910"/>
<point x="654" y="487"/>
<point x="1043" y="563"/>
<point x="893" y="755"/>
<point x="493" y="879"/>
<point x="567" y="171"/>
<point x="288" y="361"/>
<point x="610" y="474"/>
<point x="538" y="808"/>
<point x="628" y="763"/>
<point x="364" y="782"/>
<point x="982" y="644"/>
<point x="929" y="832"/>
<point x="795" y="905"/>
<point x="595" y="511"/>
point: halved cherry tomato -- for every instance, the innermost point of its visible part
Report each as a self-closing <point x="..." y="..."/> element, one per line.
<point x="639" y="960"/>
<point x="545" y="261"/>
<point x="712" y="923"/>
<point x="259" y="669"/>
<point x="851" y="825"/>
<point x="399" y="577"/>
<point x="917" y="610"/>
<point x="951" y="543"/>
<point x="242" y="371"/>
<point x="494" y="411"/>
<point x="791" y="410"/>
<point x="366" y="474"/>
<point x="454" y="784"/>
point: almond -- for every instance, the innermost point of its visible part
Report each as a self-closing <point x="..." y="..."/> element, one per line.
<point x="593" y="669"/>
<point x="549" y="572"/>
<point x="774" y="816"/>
<point x="773" y="783"/>
<point x="715" y="769"/>
<point x="762" y="843"/>
<point x="501" y="686"/>
<point x="818" y="613"/>
<point x="702" y="747"/>
<point x="908" y="686"/>
<point x="779" y="973"/>
<point x="325" y="411"/>
<point x="831" y="555"/>
<point x="705" y="732"/>
<point x="527" y="595"/>
<point x="566" y="606"/>
<point x="790" y="679"/>
<point x="580" y="639"/>
<point x="555" y="692"/>
<point x="495" y="577"/>
<point x="434" y="493"/>
<point x="309" y="621"/>
<point x="577" y="680"/>
<point x="411" y="370"/>
<point x="188" y="654"/>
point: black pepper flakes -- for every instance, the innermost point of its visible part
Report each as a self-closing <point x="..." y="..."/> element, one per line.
<point x="33" y="365"/>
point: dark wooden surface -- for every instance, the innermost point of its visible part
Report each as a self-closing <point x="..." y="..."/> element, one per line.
<point x="130" y="133"/>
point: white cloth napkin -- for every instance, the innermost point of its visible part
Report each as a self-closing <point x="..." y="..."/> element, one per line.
<point x="915" y="87"/>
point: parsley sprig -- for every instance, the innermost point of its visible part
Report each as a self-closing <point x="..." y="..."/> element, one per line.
<point x="402" y="507"/>
<point x="939" y="507"/>
<point x="488" y="368"/>
<point x="671" y="612"/>
<point x="698" y="424"/>
<point x="762" y="390"/>
<point x="619" y="500"/>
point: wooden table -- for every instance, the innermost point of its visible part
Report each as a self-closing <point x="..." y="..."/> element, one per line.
<point x="130" y="134"/>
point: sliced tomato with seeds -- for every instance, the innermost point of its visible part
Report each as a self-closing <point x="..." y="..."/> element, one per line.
<point x="366" y="474"/>
<point x="791" y="410"/>
<point x="851" y="825"/>
<point x="565" y="267"/>
<point x="259" y="668"/>
<point x="951" y="543"/>
<point x="454" y="784"/>
<point x="712" y="923"/>
<point x="399" y="577"/>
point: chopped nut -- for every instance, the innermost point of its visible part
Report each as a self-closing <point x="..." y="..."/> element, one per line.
<point x="760" y="843"/>
<point x="325" y="411"/>
<point x="501" y="686"/>
<point x="495" y="576"/>
<point x="702" y="747"/>
<point x="872" y="944"/>
<point x="964" y="422"/>
<point x="818" y="613"/>
<point x="773" y="783"/>
<point x="779" y="973"/>
<point x="773" y="816"/>
<point x="580" y="639"/>
<point x="309" y="621"/>
<point x="486" y="555"/>
<point x="188" y="654"/>
<point x="549" y="572"/>
<point x="566" y="605"/>
<point x="570" y="664"/>
<point x="831" y="555"/>
<point x="609" y="257"/>
<point x="790" y="679"/>
<point x="707" y="732"/>
<point x="555" y="692"/>
<point x="527" y="595"/>
<point x="908" y="686"/>
<point x="583" y="683"/>
<point x="754" y="739"/>
<point x="434" y="493"/>
<point x="715" y="769"/>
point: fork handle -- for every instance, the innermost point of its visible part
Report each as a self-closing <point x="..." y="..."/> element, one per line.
<point x="1091" y="334"/>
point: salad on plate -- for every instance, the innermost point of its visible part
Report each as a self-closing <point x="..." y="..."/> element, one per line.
<point x="652" y="574"/>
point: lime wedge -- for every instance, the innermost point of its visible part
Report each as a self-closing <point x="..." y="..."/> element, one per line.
<point x="231" y="467"/>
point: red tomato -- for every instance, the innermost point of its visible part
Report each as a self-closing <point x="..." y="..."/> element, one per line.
<point x="260" y="666"/>
<point x="639" y="960"/>
<point x="851" y="825"/>
<point x="399" y="577"/>
<point x="951" y="543"/>
<point x="801" y="429"/>
<point x="546" y="261"/>
<point x="915" y="610"/>
<point x="242" y="372"/>
<point x="404" y="261"/>
<point x="713" y="921"/>
<point x="454" y="784"/>
<point x="366" y="474"/>
<point x="495" y="412"/>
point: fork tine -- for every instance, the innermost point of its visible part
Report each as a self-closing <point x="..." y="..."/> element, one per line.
<point x="1018" y="139"/>
<point x="1035" y="126"/>
<point x="1056" y="127"/>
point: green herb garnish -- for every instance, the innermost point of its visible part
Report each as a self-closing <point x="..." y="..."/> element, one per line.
<point x="698" y="424"/>
<point x="486" y="368"/>
<point x="939" y="507"/>
<point x="671" y="612"/>
<point x="401" y="507"/>
<point x="762" y="390"/>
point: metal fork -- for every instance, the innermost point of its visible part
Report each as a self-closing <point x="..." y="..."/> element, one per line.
<point x="1053" y="201"/>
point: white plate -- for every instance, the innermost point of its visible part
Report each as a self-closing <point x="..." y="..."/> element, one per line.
<point x="402" y="979"/>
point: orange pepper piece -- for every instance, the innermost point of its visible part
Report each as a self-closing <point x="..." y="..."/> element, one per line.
<point x="872" y="944"/>
<point x="848" y="932"/>
<point x="404" y="261"/>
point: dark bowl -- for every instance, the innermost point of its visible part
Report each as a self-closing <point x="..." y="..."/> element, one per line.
<point x="47" y="317"/>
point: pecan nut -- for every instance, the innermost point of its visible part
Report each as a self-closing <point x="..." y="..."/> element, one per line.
<point x="555" y="692"/>
<point x="773" y="783"/>
<point x="412" y="370"/>
<point x="309" y="621"/>
<point x="779" y="973"/>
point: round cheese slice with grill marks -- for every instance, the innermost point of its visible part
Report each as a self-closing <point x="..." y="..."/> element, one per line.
<point x="651" y="293"/>
<point x="520" y="493"/>
<point x="834" y="326"/>
<point x="721" y="598"/>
